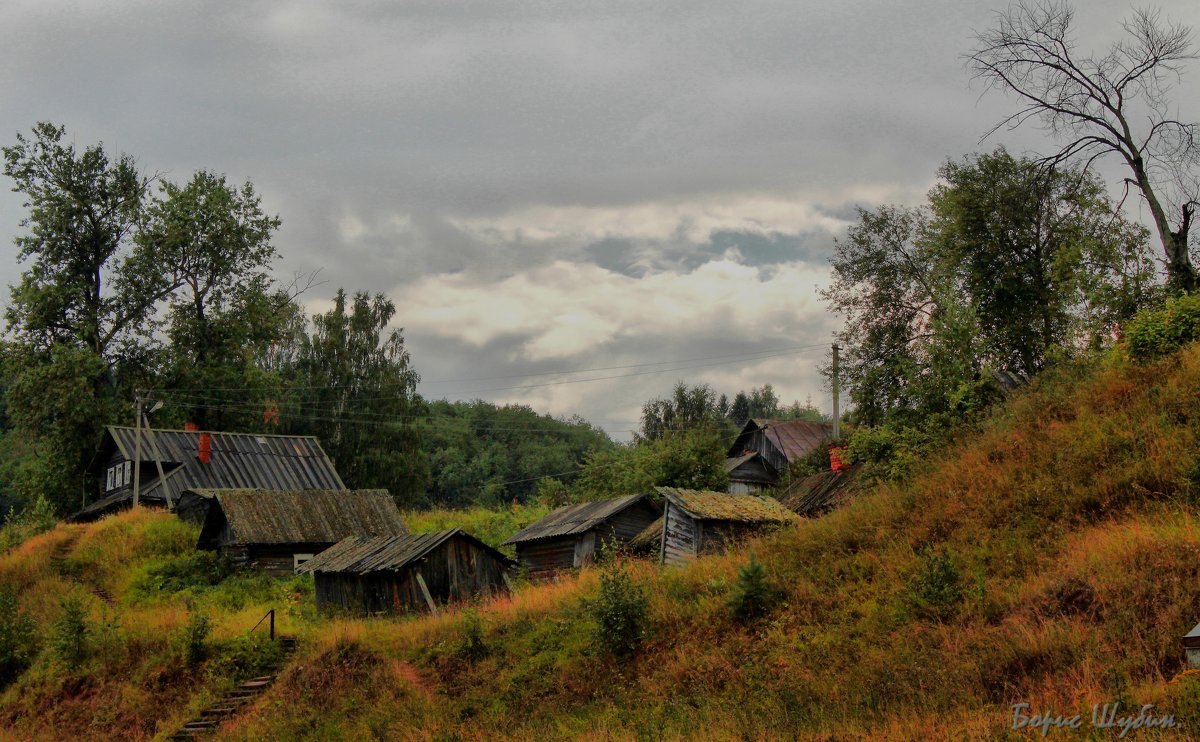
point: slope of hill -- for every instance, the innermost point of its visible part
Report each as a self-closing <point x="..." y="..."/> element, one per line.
<point x="1052" y="558"/>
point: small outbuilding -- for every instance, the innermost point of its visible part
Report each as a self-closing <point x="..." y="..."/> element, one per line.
<point x="569" y="536"/>
<point x="406" y="573"/>
<point x="279" y="530"/>
<point x="697" y="522"/>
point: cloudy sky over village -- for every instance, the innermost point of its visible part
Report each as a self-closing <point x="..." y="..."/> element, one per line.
<point x="543" y="187"/>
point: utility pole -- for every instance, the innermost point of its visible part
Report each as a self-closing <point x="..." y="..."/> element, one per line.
<point x="837" y="411"/>
<point x="137" y="449"/>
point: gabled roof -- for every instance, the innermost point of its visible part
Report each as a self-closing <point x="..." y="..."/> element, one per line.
<point x="300" y="516"/>
<point x="793" y="438"/>
<point x="239" y="460"/>
<point x="573" y="519"/>
<point x="361" y="554"/>
<point x="707" y="505"/>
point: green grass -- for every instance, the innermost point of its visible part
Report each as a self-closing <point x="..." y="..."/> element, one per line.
<point x="1050" y="555"/>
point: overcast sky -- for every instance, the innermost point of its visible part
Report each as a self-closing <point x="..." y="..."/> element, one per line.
<point x="542" y="186"/>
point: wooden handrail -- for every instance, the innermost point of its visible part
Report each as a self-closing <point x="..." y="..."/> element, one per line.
<point x="269" y="614"/>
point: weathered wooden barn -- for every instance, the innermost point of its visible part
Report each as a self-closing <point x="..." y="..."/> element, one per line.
<point x="697" y="522"/>
<point x="765" y="449"/>
<point x="406" y="573"/>
<point x="175" y="460"/>
<point x="279" y="530"/>
<point x="569" y="536"/>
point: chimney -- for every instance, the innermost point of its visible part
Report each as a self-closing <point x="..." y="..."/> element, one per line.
<point x="191" y="427"/>
<point x="205" y="454"/>
<point x="836" y="462"/>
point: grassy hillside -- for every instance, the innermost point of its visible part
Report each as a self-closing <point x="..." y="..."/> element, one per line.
<point x="1052" y="557"/>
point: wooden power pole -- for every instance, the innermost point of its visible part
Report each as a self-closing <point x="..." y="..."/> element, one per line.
<point x="137" y="449"/>
<point x="837" y="407"/>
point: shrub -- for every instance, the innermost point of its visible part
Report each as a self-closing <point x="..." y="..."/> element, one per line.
<point x="753" y="594"/>
<point x="193" y="639"/>
<point x="936" y="589"/>
<point x="31" y="521"/>
<point x="247" y="656"/>
<point x="471" y="646"/>
<point x="1156" y="332"/>
<point x="18" y="637"/>
<point x="172" y="574"/>
<point x="69" y="635"/>
<point x="620" y="610"/>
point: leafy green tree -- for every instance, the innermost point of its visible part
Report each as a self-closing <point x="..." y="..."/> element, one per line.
<point x="353" y="387"/>
<point x="487" y="454"/>
<point x="691" y="459"/>
<point x="226" y="312"/>
<point x="1035" y="249"/>
<point x="1008" y="266"/>
<point x="84" y="286"/>
<point x="689" y="408"/>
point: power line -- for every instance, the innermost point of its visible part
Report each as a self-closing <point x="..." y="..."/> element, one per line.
<point x="751" y="356"/>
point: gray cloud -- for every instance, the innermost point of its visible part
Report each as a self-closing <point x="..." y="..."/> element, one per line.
<point x="405" y="144"/>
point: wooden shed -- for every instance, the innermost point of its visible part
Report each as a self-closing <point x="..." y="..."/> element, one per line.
<point x="407" y="573"/>
<point x="698" y="522"/>
<point x="279" y="530"/>
<point x="569" y="536"/>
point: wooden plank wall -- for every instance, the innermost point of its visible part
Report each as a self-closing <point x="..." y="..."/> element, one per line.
<point x="546" y="557"/>
<point x="679" y="536"/>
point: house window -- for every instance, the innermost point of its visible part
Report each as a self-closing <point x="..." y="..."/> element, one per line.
<point x="129" y="472"/>
<point x="112" y="473"/>
<point x="119" y="481"/>
<point x="298" y="559"/>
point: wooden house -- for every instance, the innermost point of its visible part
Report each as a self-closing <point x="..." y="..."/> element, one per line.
<point x="406" y="573"/>
<point x="765" y="449"/>
<point x="279" y="530"/>
<point x="175" y="460"/>
<point x="697" y="522"/>
<point x="569" y="536"/>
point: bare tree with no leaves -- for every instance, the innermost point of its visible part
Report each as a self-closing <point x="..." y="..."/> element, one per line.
<point x="1097" y="105"/>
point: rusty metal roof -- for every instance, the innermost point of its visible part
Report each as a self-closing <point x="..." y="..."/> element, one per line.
<point x="573" y="519"/>
<point x="362" y="554"/>
<point x="706" y="505"/>
<point x="823" y="491"/>
<point x="304" y="516"/>
<point x="239" y="460"/>
<point x="796" y="438"/>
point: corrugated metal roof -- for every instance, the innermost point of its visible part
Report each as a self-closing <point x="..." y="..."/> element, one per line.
<point x="360" y="554"/>
<point x="796" y="438"/>
<point x="307" y="516"/>
<point x="239" y="460"/>
<point x="572" y="519"/>
<point x="823" y="491"/>
<point x="706" y="505"/>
